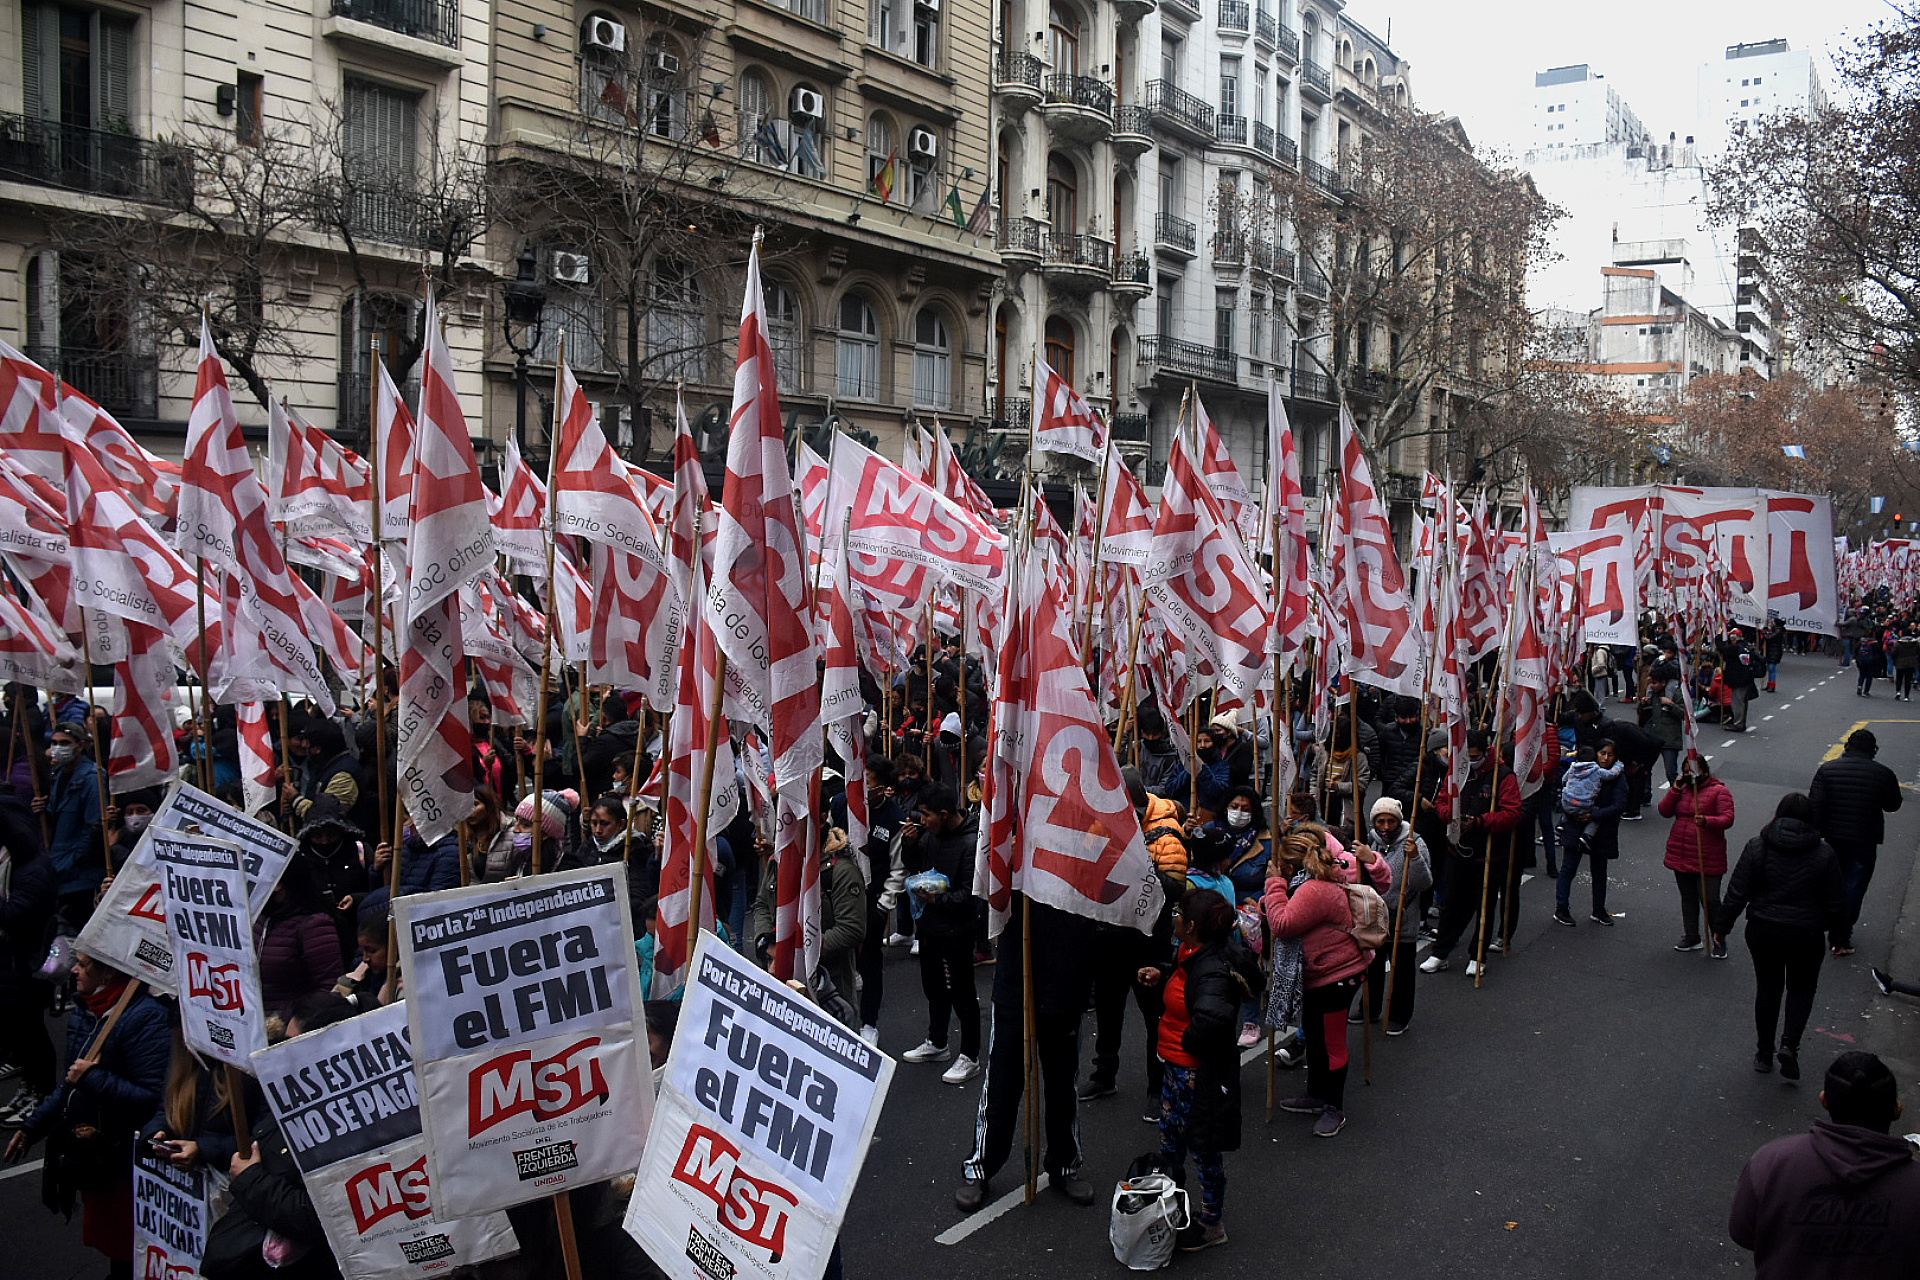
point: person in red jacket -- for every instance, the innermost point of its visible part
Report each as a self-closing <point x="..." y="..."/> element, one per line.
<point x="1490" y="809"/>
<point x="1317" y="965"/>
<point x="1702" y="811"/>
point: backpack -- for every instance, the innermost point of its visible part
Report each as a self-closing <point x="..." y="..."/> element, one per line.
<point x="1371" y="922"/>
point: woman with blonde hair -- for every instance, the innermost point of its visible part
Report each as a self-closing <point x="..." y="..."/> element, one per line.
<point x="1317" y="965"/>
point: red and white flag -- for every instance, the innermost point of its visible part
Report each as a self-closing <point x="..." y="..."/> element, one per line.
<point x="1223" y="479"/>
<point x="319" y="486"/>
<point x="1530" y="673"/>
<point x="1364" y="580"/>
<point x="33" y="651"/>
<point x="1283" y="525"/>
<point x="520" y="518"/>
<point x="950" y="478"/>
<point x="259" y="774"/>
<point x="1062" y="421"/>
<point x="595" y="493"/>
<point x="891" y="515"/>
<point x="1126" y="518"/>
<point x="757" y="608"/>
<point x="393" y="432"/>
<point x="1057" y="823"/>
<point x="143" y="753"/>
<point x="120" y="565"/>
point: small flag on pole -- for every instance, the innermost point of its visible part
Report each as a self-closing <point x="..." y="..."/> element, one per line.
<point x="958" y="210"/>
<point x="883" y="178"/>
<point x="981" y="220"/>
<point x="1794" y="450"/>
<point x="1876" y="505"/>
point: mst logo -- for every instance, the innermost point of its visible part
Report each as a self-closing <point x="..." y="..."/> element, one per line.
<point x="754" y="1210"/>
<point x="217" y="984"/>
<point x="379" y="1191"/>
<point x="157" y="1264"/>
<point x="516" y="1084"/>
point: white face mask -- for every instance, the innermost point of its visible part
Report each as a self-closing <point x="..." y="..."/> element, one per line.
<point x="612" y="841"/>
<point x="137" y="822"/>
<point x="1238" y="818"/>
<point x="62" y="752"/>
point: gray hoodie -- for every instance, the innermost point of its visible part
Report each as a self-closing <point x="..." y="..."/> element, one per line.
<point x="1839" y="1203"/>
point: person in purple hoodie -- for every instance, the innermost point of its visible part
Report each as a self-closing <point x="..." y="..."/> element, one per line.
<point x="1842" y="1201"/>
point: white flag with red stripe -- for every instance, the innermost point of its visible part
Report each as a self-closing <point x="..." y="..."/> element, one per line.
<point x="1222" y="476"/>
<point x="1126" y="518"/>
<point x="1284" y="529"/>
<point x="318" y="485"/>
<point x="120" y="565"/>
<point x="520" y="518"/>
<point x="1364" y="580"/>
<point x="142" y="752"/>
<point x="1062" y="421"/>
<point x="259" y="775"/>
<point x="594" y="492"/>
<point x="33" y="651"/>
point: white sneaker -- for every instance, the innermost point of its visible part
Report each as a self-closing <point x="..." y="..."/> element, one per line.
<point x="898" y="939"/>
<point x="871" y="1035"/>
<point x="962" y="1070"/>
<point x="928" y="1051"/>
<point x="1433" y="964"/>
<point x="1473" y="968"/>
<point x="914" y="950"/>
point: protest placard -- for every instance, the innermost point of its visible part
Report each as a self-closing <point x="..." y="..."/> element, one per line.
<point x="218" y="982"/>
<point x="347" y="1102"/>
<point x="524" y="1003"/>
<point x="129" y="928"/>
<point x="763" y="1121"/>
<point x="172" y="1213"/>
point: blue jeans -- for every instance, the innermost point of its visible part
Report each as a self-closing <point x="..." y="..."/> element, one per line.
<point x="1856" y="870"/>
<point x="1569" y="865"/>
<point x="1773" y="673"/>
<point x="1176" y="1116"/>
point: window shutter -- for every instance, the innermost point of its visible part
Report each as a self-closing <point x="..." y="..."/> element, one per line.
<point x="40" y="61"/>
<point x="112" y="72"/>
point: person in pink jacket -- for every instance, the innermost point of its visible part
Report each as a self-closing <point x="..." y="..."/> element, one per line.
<point x="1317" y="964"/>
<point x="1702" y="811"/>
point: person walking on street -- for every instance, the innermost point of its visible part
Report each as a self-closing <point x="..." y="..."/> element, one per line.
<point x="1841" y="1202"/>
<point x="1906" y="660"/>
<point x="1702" y="811"/>
<point x="72" y="810"/>
<point x="1739" y="669"/>
<point x="1852" y="794"/>
<point x="941" y="842"/>
<point x="1868" y="662"/>
<point x="1202" y="988"/>
<point x="1788" y="882"/>
<point x="1773" y="646"/>
<point x="1662" y="718"/>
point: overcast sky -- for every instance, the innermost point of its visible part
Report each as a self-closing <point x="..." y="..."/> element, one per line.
<point x="1476" y="59"/>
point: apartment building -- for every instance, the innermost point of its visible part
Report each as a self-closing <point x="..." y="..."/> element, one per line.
<point x="1574" y="106"/>
<point x="119" y="117"/>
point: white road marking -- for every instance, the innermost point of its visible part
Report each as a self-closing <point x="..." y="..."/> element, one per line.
<point x="1727" y="743"/>
<point x="18" y="1170"/>
<point x="973" y="1222"/>
<point x="1762" y="718"/>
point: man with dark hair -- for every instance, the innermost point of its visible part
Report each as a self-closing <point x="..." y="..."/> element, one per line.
<point x="1490" y="809"/>
<point x="1851" y="796"/>
<point x="1841" y="1201"/>
<point x="938" y="854"/>
<point x="1400" y="745"/>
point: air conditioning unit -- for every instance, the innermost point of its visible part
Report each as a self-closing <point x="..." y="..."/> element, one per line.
<point x="923" y="143"/>
<point x="807" y="103"/>
<point x="570" y="268"/>
<point x="664" y="63"/>
<point x="605" y="33"/>
<point x="930" y="6"/>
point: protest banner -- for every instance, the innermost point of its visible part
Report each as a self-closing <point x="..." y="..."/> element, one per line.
<point x="218" y="978"/>
<point x="524" y="1002"/>
<point x="764" y="1117"/>
<point x="129" y="928"/>
<point x="1600" y="561"/>
<point x="348" y="1105"/>
<point x="172" y="1213"/>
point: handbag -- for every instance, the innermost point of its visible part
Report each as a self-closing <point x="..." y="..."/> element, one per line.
<point x="81" y="1157"/>
<point x="1147" y="1212"/>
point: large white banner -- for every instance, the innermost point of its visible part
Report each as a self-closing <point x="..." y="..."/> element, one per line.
<point x="1806" y="588"/>
<point x="1601" y="562"/>
<point x="172" y="1213"/>
<point x="1724" y="533"/>
<point x="212" y="933"/>
<point x="348" y="1106"/>
<point x="765" y="1114"/>
<point x="524" y="1001"/>
<point x="129" y="928"/>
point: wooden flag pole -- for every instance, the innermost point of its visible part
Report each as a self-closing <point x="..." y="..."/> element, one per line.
<point x="540" y="743"/>
<point x="377" y="603"/>
<point x="93" y="738"/>
<point x="33" y="765"/>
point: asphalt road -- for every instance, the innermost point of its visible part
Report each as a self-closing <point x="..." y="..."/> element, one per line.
<point x="1586" y="1112"/>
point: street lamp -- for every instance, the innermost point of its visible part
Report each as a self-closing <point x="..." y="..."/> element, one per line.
<point x="523" y="302"/>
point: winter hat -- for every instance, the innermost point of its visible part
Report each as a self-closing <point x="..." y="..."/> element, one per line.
<point x="1387" y="804"/>
<point x="950" y="723"/>
<point x="553" y="813"/>
<point x="1228" y="720"/>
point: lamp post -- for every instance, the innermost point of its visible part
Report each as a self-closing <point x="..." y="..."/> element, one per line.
<point x="523" y="303"/>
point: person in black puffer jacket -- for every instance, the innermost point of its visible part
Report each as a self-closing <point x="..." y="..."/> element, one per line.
<point x="1400" y="744"/>
<point x="1788" y="882"/>
<point x="29" y="893"/>
<point x="1851" y="797"/>
<point x="942" y="839"/>
<point x="1204" y="984"/>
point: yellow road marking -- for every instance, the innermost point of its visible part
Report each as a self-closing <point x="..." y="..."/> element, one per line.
<point x="1833" y="752"/>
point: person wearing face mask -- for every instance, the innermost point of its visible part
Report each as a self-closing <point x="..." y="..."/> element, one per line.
<point x="1406" y="857"/>
<point x="424" y="867"/>
<point x="606" y="831"/>
<point x="71" y="807"/>
<point x="554" y="808"/>
<point x="334" y="852"/>
<point x="1489" y="812"/>
<point x="127" y="818"/>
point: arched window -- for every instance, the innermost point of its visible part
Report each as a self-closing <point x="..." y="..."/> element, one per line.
<point x="806" y="139"/>
<point x="856" y="352"/>
<point x="1063" y="39"/>
<point x="1060" y="347"/>
<point x="1063" y="195"/>
<point x="932" y="361"/>
<point x="783" y="335"/>
<point x="883" y="149"/>
<point x="666" y="88"/>
<point x="759" y="131"/>
<point x="605" y="83"/>
<point x="1309" y="35"/>
<point x="676" y="323"/>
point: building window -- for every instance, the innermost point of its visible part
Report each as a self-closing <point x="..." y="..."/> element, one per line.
<point x="1226" y="304"/>
<point x="365" y="317"/>
<point x="1060" y="348"/>
<point x="605" y="83"/>
<point x="1063" y="39"/>
<point x="381" y="154"/>
<point x="923" y="170"/>
<point x="856" y="353"/>
<point x="883" y="149"/>
<point x="1229" y="86"/>
<point x="1170" y="184"/>
<point x="783" y="335"/>
<point x="77" y="68"/>
<point x="676" y="324"/>
<point x="573" y="306"/>
<point x="1063" y="195"/>
<point x="666" y="92"/>
<point x="804" y="131"/>
<point x="760" y="140"/>
<point x="249" y="100"/>
<point x="1170" y="61"/>
<point x="932" y="361"/>
<point x="1164" y="306"/>
<point x="926" y="33"/>
<point x="890" y="28"/>
<point x="811" y="10"/>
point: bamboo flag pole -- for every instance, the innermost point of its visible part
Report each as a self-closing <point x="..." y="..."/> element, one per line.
<point x="377" y="600"/>
<point x="1353" y="776"/>
<point x="1493" y="805"/>
<point x="540" y="743"/>
<point x="206" y="693"/>
<point x="93" y="738"/>
<point x="33" y="765"/>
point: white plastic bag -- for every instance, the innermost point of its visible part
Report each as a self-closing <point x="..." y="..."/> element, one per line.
<point x="1147" y="1211"/>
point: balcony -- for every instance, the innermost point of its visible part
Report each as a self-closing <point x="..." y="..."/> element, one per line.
<point x="1324" y="176"/>
<point x="1286" y="151"/>
<point x="1379" y="386"/>
<point x="1289" y="44"/>
<point x="1315" y="82"/>
<point x="1019" y="243"/>
<point x="1132" y="276"/>
<point x="1260" y="254"/>
<point x="1263" y="138"/>
<point x="125" y="385"/>
<point x="1185" y="10"/>
<point x="1078" y="107"/>
<point x="1131" y="11"/>
<point x="1179" y="112"/>
<point x="1010" y="414"/>
<point x="1312" y="386"/>
<point x="1132" y="131"/>
<point x="1175" y="235"/>
<point x="1233" y="15"/>
<point x="47" y="153"/>
<point x="1282" y="263"/>
<point x="1188" y="359"/>
<point x="1075" y="261"/>
<point x="1130" y="428"/>
<point x="434" y="20"/>
<point x="1403" y="486"/>
<point x="1266" y="28"/>
<point x="1016" y="78"/>
<point x="1231" y="130"/>
<point x="1313" y="283"/>
<point x="1229" y="250"/>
